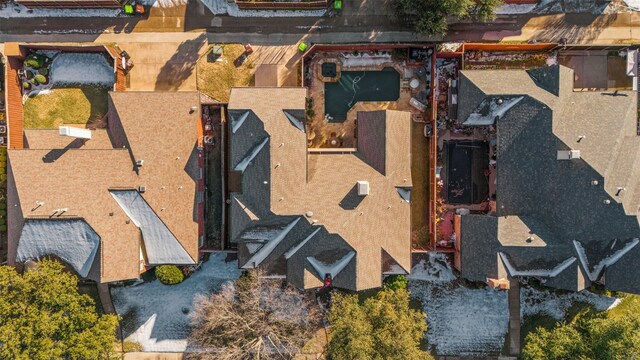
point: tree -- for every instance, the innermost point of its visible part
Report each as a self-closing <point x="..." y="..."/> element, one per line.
<point x="595" y="337"/>
<point x="563" y="342"/>
<point x="383" y="327"/>
<point x="253" y="318"/>
<point x="44" y="317"/>
<point x="614" y="338"/>
<point x="429" y="17"/>
<point x="485" y="10"/>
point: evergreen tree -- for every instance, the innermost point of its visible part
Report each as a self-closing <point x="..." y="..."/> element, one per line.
<point x="383" y="327"/>
<point x="595" y="337"/>
<point x="563" y="342"/>
<point x="429" y="17"/>
<point x="42" y="316"/>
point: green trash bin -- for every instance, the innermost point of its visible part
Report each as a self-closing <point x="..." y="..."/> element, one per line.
<point x="128" y="9"/>
<point x="337" y="4"/>
<point x="303" y="46"/>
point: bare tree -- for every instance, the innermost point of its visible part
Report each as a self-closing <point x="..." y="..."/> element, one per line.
<point x="253" y="318"/>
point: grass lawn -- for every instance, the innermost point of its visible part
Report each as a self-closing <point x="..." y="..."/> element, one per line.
<point x="420" y="192"/>
<point x="83" y="105"/>
<point x="217" y="78"/>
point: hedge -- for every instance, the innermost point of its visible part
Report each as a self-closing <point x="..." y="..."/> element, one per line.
<point x="40" y="79"/>
<point x="395" y="282"/>
<point x="169" y="274"/>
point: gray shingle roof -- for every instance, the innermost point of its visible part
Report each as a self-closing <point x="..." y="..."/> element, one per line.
<point x="556" y="201"/>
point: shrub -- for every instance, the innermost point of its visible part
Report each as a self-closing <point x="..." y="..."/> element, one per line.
<point x="3" y="228"/>
<point x="395" y="282"/>
<point x="43" y="71"/>
<point x="169" y="274"/>
<point x="3" y="177"/>
<point x="310" y="113"/>
<point x="3" y="212"/>
<point x="40" y="79"/>
<point x="131" y="346"/>
<point x="3" y="222"/>
<point x="3" y="205"/>
<point x="26" y="85"/>
<point x="34" y="61"/>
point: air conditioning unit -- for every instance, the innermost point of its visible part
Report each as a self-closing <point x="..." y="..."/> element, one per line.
<point x="208" y="140"/>
<point x="139" y="162"/>
<point x="3" y="129"/>
<point x="2" y="141"/>
<point x="142" y="188"/>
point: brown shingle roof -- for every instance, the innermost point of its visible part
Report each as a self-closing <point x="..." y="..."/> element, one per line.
<point x="324" y="183"/>
<point x="159" y="128"/>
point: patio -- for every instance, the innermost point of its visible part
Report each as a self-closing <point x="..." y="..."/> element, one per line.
<point x="340" y="133"/>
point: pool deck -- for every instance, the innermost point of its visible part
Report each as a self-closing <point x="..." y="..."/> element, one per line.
<point x="321" y="133"/>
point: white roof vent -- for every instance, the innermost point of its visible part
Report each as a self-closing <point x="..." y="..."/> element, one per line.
<point x="363" y="188"/>
<point x="75" y="132"/>
<point x="568" y="154"/>
<point x="142" y="188"/>
<point x="139" y="162"/>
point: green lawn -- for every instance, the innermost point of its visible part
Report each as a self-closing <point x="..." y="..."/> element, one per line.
<point x="420" y="191"/>
<point x="85" y="105"/>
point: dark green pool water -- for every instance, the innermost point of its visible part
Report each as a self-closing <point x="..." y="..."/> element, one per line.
<point x="355" y="86"/>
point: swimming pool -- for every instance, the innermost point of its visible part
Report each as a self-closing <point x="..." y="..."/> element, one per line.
<point x="354" y="86"/>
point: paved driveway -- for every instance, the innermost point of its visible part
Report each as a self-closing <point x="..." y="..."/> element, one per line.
<point x="165" y="66"/>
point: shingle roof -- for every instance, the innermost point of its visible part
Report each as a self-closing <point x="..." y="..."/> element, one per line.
<point x="159" y="128"/>
<point x="555" y="201"/>
<point x="51" y="139"/>
<point x="284" y="179"/>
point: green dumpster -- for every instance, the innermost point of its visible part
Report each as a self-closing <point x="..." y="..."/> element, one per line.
<point x="337" y="4"/>
<point x="128" y="9"/>
<point x="303" y="46"/>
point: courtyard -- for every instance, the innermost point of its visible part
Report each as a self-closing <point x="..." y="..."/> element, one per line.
<point x="65" y="88"/>
<point x="381" y="79"/>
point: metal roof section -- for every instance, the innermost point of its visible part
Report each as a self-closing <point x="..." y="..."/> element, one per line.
<point x="295" y="249"/>
<point x="268" y="248"/>
<point x="160" y="244"/>
<point x="334" y="269"/>
<point x="594" y="273"/>
<point x="242" y="165"/>
<point x="537" y="272"/>
<point x="294" y="120"/>
<point x="72" y="240"/>
<point x="236" y="124"/>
